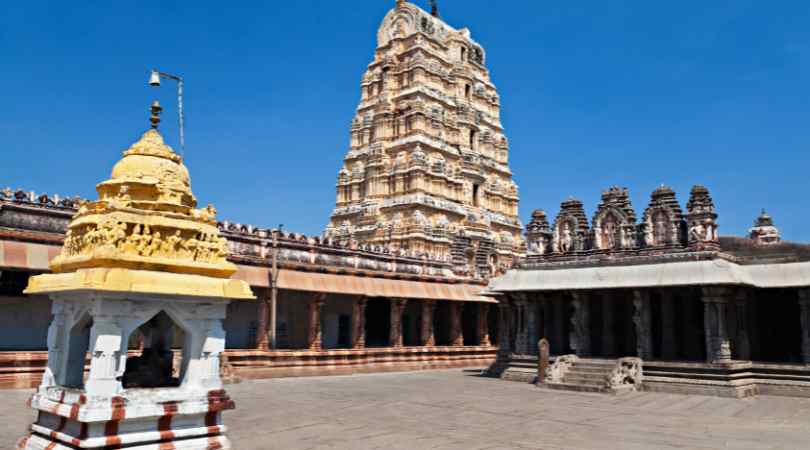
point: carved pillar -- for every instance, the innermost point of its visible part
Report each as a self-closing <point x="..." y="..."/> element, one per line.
<point x="314" y="340"/>
<point x="503" y="326"/>
<point x="608" y="336"/>
<point x="560" y="319"/>
<point x="483" y="324"/>
<point x="427" y="334"/>
<point x="105" y="352"/>
<point x="456" y="331"/>
<point x="580" y="325"/>
<point x="264" y="317"/>
<point x="804" y="316"/>
<point x="531" y="327"/>
<point x="668" y="342"/>
<point x="397" y="308"/>
<point x="359" y="322"/>
<point x="741" y="343"/>
<point x="643" y="323"/>
<point x="715" y="303"/>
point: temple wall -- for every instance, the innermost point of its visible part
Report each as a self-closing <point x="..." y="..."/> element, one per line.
<point x="24" y="322"/>
<point x="336" y="309"/>
<point x="241" y="324"/>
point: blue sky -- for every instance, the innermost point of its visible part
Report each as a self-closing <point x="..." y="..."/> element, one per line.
<point x="594" y="94"/>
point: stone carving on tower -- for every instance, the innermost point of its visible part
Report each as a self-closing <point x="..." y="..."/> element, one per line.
<point x="764" y="232"/>
<point x="663" y="223"/>
<point x="614" y="223"/>
<point x="538" y="234"/>
<point x="571" y="228"/>
<point x="427" y="170"/>
<point x="701" y="218"/>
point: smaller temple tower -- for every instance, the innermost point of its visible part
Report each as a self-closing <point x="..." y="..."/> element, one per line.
<point x="764" y="232"/>
<point x="142" y="270"/>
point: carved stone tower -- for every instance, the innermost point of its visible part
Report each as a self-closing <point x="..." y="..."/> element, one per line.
<point x="140" y="264"/>
<point x="427" y="171"/>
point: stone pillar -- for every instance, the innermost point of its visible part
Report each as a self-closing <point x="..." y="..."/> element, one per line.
<point x="668" y="342"/>
<point x="804" y="316"/>
<point x="359" y="323"/>
<point x="518" y="328"/>
<point x="580" y="325"/>
<point x="105" y="352"/>
<point x="397" y="308"/>
<point x="643" y="323"/>
<point x="427" y="334"/>
<point x="314" y="340"/>
<point x="715" y="303"/>
<point x="741" y="342"/>
<point x="261" y="328"/>
<point x="560" y="318"/>
<point x="456" y="329"/>
<point x="503" y="326"/>
<point x="608" y="336"/>
<point x="531" y="327"/>
<point x="483" y="324"/>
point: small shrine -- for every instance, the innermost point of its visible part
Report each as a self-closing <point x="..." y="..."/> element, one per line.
<point x="139" y="291"/>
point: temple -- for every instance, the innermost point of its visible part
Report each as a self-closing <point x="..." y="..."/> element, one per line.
<point x="702" y="313"/>
<point x="428" y="166"/>
<point x="425" y="264"/>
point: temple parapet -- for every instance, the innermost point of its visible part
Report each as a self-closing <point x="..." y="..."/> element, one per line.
<point x="665" y="233"/>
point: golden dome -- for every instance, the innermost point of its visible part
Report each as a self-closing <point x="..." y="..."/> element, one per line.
<point x="151" y="157"/>
<point x="150" y="171"/>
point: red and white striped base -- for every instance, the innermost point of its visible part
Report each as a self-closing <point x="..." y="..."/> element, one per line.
<point x="143" y="419"/>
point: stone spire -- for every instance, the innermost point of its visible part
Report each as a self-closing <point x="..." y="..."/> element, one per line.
<point x="764" y="232"/>
<point x="701" y="217"/>
<point x="428" y="165"/>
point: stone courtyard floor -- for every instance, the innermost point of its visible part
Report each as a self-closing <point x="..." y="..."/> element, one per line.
<point x="454" y="409"/>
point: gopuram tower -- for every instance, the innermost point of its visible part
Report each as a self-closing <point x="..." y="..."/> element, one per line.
<point x="427" y="172"/>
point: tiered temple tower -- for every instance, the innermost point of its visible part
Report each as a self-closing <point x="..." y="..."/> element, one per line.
<point x="427" y="171"/>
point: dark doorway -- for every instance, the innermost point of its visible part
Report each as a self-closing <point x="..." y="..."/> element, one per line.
<point x="378" y="322"/>
<point x="344" y="330"/>
<point x="778" y="328"/>
<point x="442" y="323"/>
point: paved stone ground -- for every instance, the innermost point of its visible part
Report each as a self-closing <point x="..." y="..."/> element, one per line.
<point x="454" y="409"/>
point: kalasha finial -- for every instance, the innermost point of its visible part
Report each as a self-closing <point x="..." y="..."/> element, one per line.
<point x="434" y="8"/>
<point x="156" y="110"/>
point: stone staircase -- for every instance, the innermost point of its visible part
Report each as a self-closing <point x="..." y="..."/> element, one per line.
<point x="586" y="375"/>
<point x="521" y="368"/>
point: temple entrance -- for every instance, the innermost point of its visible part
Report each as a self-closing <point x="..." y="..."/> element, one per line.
<point x="776" y="332"/>
<point x="442" y="323"/>
<point x="378" y="322"/>
<point x="690" y="332"/>
<point x="411" y="322"/>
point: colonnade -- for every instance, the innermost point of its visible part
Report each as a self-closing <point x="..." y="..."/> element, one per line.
<point x="478" y="333"/>
<point x="717" y="324"/>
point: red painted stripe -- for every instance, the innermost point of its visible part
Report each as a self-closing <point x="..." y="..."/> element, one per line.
<point x="119" y="411"/>
<point x="214" y="444"/>
<point x="74" y="411"/>
<point x="111" y="428"/>
<point x="211" y="419"/>
<point x="51" y="446"/>
<point x="166" y="445"/>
